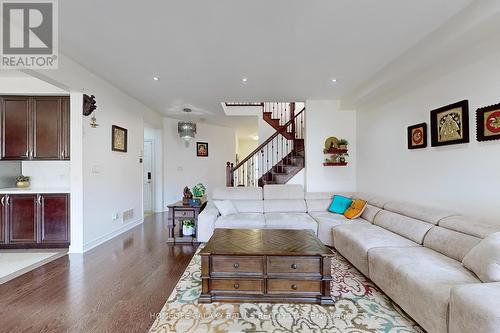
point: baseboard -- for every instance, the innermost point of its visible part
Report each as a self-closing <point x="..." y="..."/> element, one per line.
<point x="98" y="241"/>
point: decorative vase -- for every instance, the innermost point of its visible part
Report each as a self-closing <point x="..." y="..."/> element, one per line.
<point x="23" y="184"/>
<point x="187" y="230"/>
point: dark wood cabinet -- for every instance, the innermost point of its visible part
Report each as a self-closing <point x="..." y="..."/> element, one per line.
<point x="15" y="127"/>
<point x="34" y="220"/>
<point x="35" y="127"/>
<point x="54" y="218"/>
<point x="22" y="218"/>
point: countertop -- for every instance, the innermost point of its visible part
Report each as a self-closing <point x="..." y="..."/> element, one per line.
<point x="34" y="190"/>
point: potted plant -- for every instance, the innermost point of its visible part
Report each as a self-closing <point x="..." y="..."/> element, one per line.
<point x="188" y="227"/>
<point x="199" y="191"/>
<point x="343" y="144"/>
<point x="23" y="181"/>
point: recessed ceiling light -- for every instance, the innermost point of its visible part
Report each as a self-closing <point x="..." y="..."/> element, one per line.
<point x="244" y="80"/>
<point x="156" y="78"/>
<point x="334" y="80"/>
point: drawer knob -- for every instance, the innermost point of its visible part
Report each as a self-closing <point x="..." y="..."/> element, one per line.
<point x="294" y="266"/>
<point x="236" y="265"/>
<point x="294" y="286"/>
<point x="236" y="286"/>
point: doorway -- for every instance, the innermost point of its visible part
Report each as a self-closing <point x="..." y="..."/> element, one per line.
<point x="148" y="178"/>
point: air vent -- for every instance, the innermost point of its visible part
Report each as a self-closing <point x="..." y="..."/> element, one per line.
<point x="128" y="215"/>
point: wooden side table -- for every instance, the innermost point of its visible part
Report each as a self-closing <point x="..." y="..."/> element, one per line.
<point x="178" y="212"/>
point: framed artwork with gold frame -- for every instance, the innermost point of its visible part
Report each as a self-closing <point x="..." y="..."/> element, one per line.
<point x="202" y="149"/>
<point x="119" y="139"/>
<point x="488" y="123"/>
<point x="417" y="136"/>
<point x="450" y="124"/>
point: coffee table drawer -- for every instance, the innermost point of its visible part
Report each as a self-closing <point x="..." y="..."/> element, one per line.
<point x="237" y="265"/>
<point x="184" y="213"/>
<point x="280" y="286"/>
<point x="237" y="286"/>
<point x="307" y="265"/>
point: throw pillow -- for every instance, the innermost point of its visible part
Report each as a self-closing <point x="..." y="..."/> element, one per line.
<point x="339" y="204"/>
<point x="484" y="259"/>
<point x="226" y="207"/>
<point x="356" y="209"/>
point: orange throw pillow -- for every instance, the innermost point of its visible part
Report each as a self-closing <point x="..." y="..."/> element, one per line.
<point x="357" y="208"/>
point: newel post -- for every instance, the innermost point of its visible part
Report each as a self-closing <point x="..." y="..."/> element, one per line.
<point x="229" y="174"/>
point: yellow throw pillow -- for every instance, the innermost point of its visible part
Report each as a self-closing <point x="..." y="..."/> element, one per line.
<point x="357" y="208"/>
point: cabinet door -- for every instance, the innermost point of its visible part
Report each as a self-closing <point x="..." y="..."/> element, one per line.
<point x="15" y="127"/>
<point x="47" y="128"/>
<point x="2" y="219"/>
<point x="54" y="218"/>
<point x="22" y="218"/>
<point x="65" y="129"/>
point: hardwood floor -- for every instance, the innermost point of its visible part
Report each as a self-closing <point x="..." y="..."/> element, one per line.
<point x="116" y="287"/>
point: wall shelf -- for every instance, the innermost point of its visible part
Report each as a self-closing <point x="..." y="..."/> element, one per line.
<point x="335" y="164"/>
<point x="335" y="151"/>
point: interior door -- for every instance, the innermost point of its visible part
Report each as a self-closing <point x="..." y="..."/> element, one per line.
<point x="148" y="177"/>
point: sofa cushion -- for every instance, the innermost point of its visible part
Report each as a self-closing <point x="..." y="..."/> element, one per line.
<point x="355" y="240"/>
<point x="249" y="206"/>
<point x="320" y="201"/>
<point x="419" y="280"/>
<point x="340" y="204"/>
<point x="285" y="192"/>
<point x="450" y="243"/>
<point x="225" y="207"/>
<point x="327" y="221"/>
<point x="237" y="193"/>
<point x="422" y="213"/>
<point x="484" y="259"/>
<point x="283" y="206"/>
<point x="408" y="227"/>
<point x="469" y="225"/>
<point x="373" y="199"/>
<point x="370" y="212"/>
<point x="290" y="221"/>
<point x="356" y="209"/>
<point x="241" y="221"/>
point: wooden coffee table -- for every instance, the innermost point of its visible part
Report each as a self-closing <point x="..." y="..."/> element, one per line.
<point x="265" y="265"/>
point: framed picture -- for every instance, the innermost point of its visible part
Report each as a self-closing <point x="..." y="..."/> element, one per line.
<point x="488" y="123"/>
<point x="119" y="139"/>
<point x="202" y="149"/>
<point x="417" y="136"/>
<point x="450" y="124"/>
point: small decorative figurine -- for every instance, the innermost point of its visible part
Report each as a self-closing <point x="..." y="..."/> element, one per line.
<point x="187" y="196"/>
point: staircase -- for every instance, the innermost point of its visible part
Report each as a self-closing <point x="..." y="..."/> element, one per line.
<point x="280" y="157"/>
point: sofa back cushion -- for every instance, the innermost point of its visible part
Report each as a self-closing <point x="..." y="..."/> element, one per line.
<point x="370" y="212"/>
<point x="373" y="199"/>
<point x="408" y="227"/>
<point x="484" y="259"/>
<point x="320" y="201"/>
<point x="283" y="192"/>
<point x="470" y="226"/>
<point x="285" y="206"/>
<point x="249" y="206"/>
<point x="451" y="243"/>
<point x="237" y="193"/>
<point x="422" y="213"/>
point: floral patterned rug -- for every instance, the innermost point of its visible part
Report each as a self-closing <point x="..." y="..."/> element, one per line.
<point x="360" y="307"/>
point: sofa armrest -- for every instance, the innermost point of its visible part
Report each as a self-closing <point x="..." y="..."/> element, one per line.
<point x="206" y="222"/>
<point x="475" y="308"/>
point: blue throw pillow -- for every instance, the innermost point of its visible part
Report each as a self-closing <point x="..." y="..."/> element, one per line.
<point x="339" y="204"/>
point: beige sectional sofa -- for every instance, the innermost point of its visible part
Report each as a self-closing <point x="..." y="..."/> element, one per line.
<point x="414" y="254"/>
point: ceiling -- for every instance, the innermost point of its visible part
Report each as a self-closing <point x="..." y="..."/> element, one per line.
<point x="288" y="49"/>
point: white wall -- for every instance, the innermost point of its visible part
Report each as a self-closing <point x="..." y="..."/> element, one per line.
<point x="111" y="181"/>
<point x="462" y="178"/>
<point x="18" y="83"/>
<point x="324" y="119"/>
<point x="47" y="174"/>
<point x="245" y="147"/>
<point x="182" y="166"/>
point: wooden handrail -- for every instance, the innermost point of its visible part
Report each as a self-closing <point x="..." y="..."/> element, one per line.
<point x="281" y="130"/>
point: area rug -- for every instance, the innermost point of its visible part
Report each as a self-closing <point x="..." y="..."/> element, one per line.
<point x="360" y="307"/>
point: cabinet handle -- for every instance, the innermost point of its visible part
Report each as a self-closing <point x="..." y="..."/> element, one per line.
<point x="236" y="286"/>
<point x="39" y="200"/>
<point x="294" y="286"/>
<point x="294" y="266"/>
<point x="7" y="201"/>
<point x="236" y="266"/>
<point x="2" y="202"/>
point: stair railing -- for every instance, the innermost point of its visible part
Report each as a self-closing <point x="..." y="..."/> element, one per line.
<point x="275" y="152"/>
